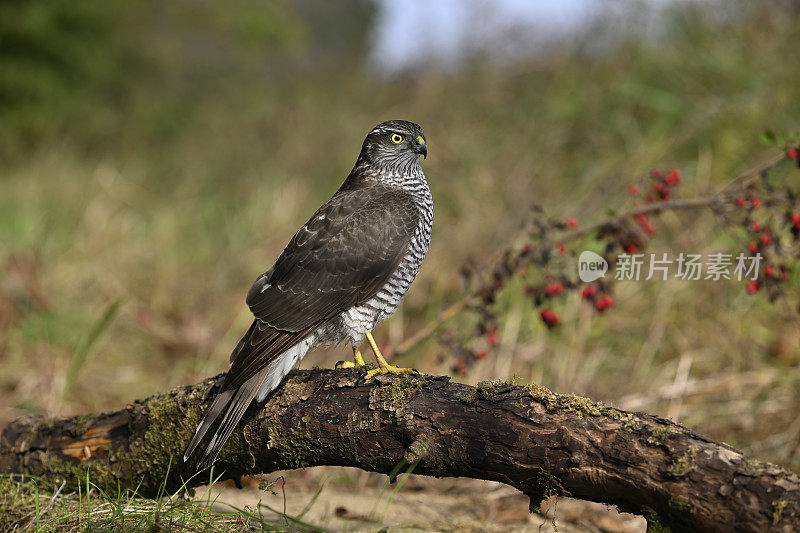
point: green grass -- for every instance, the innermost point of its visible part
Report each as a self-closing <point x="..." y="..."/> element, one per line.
<point x="176" y="224"/>
<point x="28" y="506"/>
<point x="31" y="507"/>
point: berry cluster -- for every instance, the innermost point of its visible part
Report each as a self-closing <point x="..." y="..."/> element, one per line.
<point x="663" y="184"/>
<point x="662" y="189"/>
<point x="772" y="230"/>
<point x="769" y="214"/>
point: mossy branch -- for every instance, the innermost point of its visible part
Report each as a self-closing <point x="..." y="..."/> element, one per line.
<point x="528" y="437"/>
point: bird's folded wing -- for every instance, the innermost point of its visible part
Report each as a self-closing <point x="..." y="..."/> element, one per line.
<point x="339" y="259"/>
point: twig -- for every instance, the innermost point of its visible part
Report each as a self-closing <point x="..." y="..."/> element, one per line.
<point x="713" y="385"/>
<point x="742" y="180"/>
<point x="49" y="505"/>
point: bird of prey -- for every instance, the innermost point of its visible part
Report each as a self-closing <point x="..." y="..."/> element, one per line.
<point x="343" y="272"/>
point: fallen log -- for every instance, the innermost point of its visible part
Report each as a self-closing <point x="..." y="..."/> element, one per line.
<point x="542" y="443"/>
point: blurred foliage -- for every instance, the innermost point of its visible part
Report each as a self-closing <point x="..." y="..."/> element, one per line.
<point x="87" y="71"/>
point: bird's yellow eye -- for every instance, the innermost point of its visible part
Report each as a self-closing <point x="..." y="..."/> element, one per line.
<point x="396" y="138"/>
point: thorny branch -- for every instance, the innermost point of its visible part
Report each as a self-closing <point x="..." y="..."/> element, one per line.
<point x="627" y="229"/>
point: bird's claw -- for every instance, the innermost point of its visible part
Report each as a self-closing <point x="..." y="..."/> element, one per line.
<point x="346" y="364"/>
<point x="390" y="369"/>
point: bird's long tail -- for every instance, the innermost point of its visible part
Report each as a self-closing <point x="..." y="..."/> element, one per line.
<point x="238" y="400"/>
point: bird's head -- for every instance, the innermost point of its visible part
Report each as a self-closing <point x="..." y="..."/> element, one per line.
<point x="394" y="145"/>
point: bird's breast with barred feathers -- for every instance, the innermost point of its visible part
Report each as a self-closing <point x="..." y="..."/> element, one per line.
<point x="357" y="321"/>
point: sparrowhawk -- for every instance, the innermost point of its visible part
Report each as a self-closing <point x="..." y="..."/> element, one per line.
<point x="343" y="272"/>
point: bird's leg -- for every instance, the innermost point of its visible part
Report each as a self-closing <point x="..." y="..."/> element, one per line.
<point x="357" y="360"/>
<point x="383" y="366"/>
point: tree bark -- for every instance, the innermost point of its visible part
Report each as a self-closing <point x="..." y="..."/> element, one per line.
<point x="528" y="437"/>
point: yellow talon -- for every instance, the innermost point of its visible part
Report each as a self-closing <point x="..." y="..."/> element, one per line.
<point x="383" y="366"/>
<point x="389" y="369"/>
<point x="357" y="361"/>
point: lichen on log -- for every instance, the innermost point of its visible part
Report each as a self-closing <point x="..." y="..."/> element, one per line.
<point x="528" y="437"/>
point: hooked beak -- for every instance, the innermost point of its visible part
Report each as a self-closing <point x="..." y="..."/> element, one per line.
<point x="420" y="147"/>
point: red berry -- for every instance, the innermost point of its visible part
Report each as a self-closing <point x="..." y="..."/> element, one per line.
<point x="741" y="201"/>
<point x="755" y="202"/>
<point x="769" y="270"/>
<point x="549" y="317"/>
<point x="656" y="173"/>
<point x="756" y="226"/>
<point x="641" y="218"/>
<point x="753" y="287"/>
<point x="791" y="153"/>
<point x="588" y="291"/>
<point x="562" y="248"/>
<point x="659" y="187"/>
<point x="753" y="247"/>
<point x="604" y="302"/>
<point x="491" y="336"/>
<point x="553" y="288"/>
<point x="674" y="177"/>
<point x="572" y="223"/>
<point x="631" y="248"/>
<point x="634" y="190"/>
<point x="482" y="355"/>
<point x="765" y="238"/>
<point x="795" y="218"/>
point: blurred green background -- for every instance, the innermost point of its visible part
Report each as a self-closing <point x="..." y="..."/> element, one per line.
<point x="157" y="156"/>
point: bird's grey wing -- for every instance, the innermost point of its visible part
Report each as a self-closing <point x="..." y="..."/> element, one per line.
<point x="339" y="259"/>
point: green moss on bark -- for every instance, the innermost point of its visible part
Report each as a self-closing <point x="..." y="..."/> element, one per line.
<point x="659" y="434"/>
<point x="778" y="508"/>
<point x="391" y="396"/>
<point x="292" y="445"/>
<point x="684" y="463"/>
